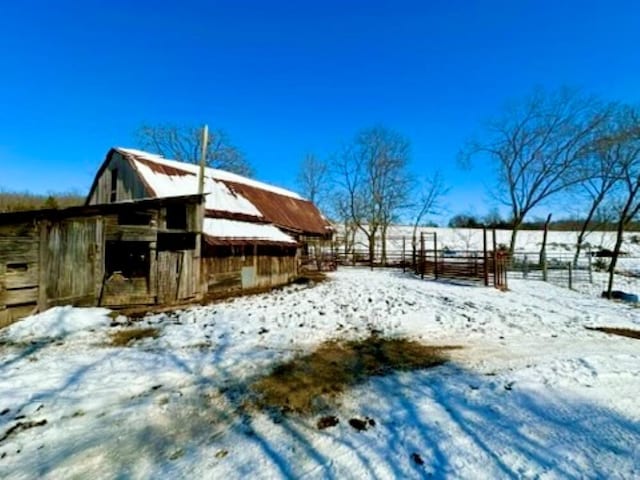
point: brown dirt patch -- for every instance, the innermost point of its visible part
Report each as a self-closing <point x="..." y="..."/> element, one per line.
<point x="305" y="383"/>
<point x="623" y="332"/>
<point x="122" y="338"/>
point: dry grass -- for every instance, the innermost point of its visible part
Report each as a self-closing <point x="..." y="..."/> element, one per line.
<point x="623" y="332"/>
<point x="305" y="383"/>
<point x="16" y="201"/>
<point x="122" y="338"/>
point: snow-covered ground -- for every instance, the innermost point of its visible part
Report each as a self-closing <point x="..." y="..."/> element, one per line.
<point x="532" y="393"/>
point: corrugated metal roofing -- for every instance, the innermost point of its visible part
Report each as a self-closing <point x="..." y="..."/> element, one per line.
<point x="281" y="207"/>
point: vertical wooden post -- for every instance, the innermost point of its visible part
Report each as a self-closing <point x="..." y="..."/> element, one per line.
<point x="544" y="270"/>
<point x="422" y="259"/>
<point x="525" y="267"/>
<point x="590" y="266"/>
<point x="496" y="281"/>
<point x="404" y="267"/>
<point x="201" y="281"/>
<point x="203" y="158"/>
<point x="570" y="276"/>
<point x="435" y="254"/>
<point x="486" y="257"/>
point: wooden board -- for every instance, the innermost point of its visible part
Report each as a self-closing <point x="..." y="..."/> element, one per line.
<point x="18" y="296"/>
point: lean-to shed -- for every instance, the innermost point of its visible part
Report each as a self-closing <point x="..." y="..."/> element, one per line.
<point x="143" y="252"/>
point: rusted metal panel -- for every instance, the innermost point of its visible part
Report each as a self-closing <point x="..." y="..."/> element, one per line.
<point x="296" y="215"/>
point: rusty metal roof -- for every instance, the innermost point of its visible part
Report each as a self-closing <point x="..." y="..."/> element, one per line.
<point x="284" y="209"/>
<point x="296" y="215"/>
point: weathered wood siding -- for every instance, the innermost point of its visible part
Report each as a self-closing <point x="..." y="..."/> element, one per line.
<point x="71" y="261"/>
<point x="114" y="259"/>
<point x="177" y="280"/>
<point x="129" y="186"/>
<point x="242" y="272"/>
<point x="19" y="271"/>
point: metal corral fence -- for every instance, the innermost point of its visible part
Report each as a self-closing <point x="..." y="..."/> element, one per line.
<point x="424" y="257"/>
<point x="557" y="268"/>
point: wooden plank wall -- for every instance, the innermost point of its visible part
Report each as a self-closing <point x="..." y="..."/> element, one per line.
<point x="129" y="186"/>
<point x="224" y="274"/>
<point x="71" y="260"/>
<point x="19" y="271"/>
<point x="177" y="276"/>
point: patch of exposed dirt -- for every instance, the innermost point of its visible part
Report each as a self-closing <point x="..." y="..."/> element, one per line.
<point x="18" y="427"/>
<point x="122" y="338"/>
<point x="623" y="332"/>
<point x="304" y="384"/>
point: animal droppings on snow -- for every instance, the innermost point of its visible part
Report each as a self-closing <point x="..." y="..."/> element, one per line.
<point x="362" y="425"/>
<point x="327" y="421"/>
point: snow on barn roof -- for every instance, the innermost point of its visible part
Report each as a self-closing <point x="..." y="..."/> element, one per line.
<point x="224" y="231"/>
<point x="212" y="173"/>
<point x="229" y="193"/>
<point x="219" y="196"/>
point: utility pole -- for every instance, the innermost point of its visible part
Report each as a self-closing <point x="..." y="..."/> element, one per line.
<point x="203" y="158"/>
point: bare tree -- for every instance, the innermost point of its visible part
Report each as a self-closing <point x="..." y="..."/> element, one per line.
<point x="372" y="181"/>
<point x="182" y="143"/>
<point x="313" y="179"/>
<point x="623" y="146"/>
<point x="602" y="172"/>
<point x="431" y="190"/>
<point x="536" y="145"/>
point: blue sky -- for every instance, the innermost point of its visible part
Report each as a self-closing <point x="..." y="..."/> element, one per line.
<point x="287" y="78"/>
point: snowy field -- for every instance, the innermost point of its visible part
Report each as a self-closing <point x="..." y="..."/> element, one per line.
<point x="531" y="394"/>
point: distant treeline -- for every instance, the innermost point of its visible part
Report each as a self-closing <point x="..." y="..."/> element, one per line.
<point x="17" y="201"/>
<point x="562" y="225"/>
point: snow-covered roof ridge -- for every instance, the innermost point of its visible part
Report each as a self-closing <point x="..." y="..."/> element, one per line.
<point x="213" y="173"/>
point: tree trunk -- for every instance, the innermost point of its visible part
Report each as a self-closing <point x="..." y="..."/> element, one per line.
<point x="614" y="255"/>
<point x="543" y="248"/>
<point x="372" y="248"/>
<point x="383" y="239"/>
<point x="517" y="223"/>
<point x="585" y="226"/>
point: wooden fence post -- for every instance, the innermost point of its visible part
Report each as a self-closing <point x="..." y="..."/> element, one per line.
<point x="496" y="281"/>
<point x="404" y="267"/>
<point x="435" y="254"/>
<point x="570" y="275"/>
<point x="590" y="266"/>
<point x="422" y="255"/>
<point x="544" y="269"/>
<point x="486" y="257"/>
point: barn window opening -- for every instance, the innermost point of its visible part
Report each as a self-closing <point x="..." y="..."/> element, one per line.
<point x="17" y="267"/>
<point x="177" y="217"/>
<point x="176" y="241"/>
<point x="114" y="185"/>
<point x="130" y="259"/>
<point x="134" y="218"/>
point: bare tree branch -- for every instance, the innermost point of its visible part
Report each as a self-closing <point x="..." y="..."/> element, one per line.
<point x="182" y="143"/>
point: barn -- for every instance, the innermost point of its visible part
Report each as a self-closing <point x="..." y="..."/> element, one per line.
<point x="253" y="235"/>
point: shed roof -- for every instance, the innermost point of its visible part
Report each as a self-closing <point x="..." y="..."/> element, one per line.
<point x="221" y="231"/>
<point x="8" y="218"/>
<point x="238" y="196"/>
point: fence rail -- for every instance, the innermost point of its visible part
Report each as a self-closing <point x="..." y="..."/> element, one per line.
<point x="426" y="258"/>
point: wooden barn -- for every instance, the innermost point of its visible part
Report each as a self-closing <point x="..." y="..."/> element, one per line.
<point x="253" y="234"/>
<point x="143" y="252"/>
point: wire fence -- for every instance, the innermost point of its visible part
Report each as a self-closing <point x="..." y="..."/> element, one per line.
<point x="558" y="268"/>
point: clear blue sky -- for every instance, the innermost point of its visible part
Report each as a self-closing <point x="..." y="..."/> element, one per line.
<point x="286" y="78"/>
